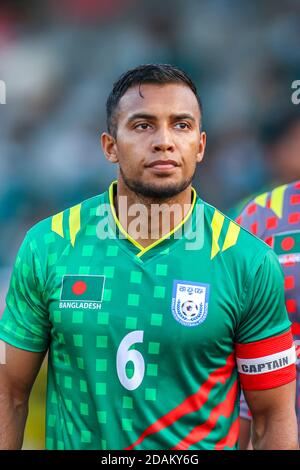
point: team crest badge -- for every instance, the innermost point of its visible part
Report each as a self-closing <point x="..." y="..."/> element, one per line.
<point x="190" y="302"/>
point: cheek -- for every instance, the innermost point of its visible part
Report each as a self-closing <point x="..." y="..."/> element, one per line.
<point x="188" y="141"/>
<point x="130" y="156"/>
<point x="189" y="151"/>
<point x="129" y="143"/>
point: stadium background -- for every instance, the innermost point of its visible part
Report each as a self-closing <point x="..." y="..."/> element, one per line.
<point x="59" y="59"/>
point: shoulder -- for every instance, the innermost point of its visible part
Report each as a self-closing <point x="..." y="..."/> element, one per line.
<point x="271" y="210"/>
<point x="230" y="239"/>
<point x="61" y="229"/>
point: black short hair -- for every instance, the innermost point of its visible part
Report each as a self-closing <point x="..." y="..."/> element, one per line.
<point x="148" y="73"/>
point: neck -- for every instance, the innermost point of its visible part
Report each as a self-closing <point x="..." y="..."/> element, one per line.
<point x="147" y="220"/>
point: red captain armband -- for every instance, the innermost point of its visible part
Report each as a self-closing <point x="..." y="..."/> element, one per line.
<point x="267" y="363"/>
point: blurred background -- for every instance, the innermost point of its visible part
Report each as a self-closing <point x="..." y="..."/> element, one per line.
<point x="59" y="59"/>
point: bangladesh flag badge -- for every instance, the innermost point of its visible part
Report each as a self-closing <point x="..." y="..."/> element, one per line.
<point x="84" y="291"/>
<point x="287" y="246"/>
<point x="288" y="242"/>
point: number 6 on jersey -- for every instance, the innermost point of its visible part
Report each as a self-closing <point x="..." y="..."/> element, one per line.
<point x="124" y="355"/>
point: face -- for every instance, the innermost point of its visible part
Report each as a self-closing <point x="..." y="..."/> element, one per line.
<point x="158" y="142"/>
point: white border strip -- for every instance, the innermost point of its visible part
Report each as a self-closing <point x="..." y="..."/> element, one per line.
<point x="261" y="365"/>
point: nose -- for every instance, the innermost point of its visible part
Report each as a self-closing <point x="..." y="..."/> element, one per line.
<point x="163" y="141"/>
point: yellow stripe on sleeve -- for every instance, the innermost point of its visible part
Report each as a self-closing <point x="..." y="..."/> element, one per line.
<point x="74" y="222"/>
<point x="216" y="226"/>
<point x="261" y="200"/>
<point x="57" y="224"/>
<point x="231" y="236"/>
<point x="277" y="199"/>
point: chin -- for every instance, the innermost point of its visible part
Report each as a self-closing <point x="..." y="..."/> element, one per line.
<point x="158" y="186"/>
<point x="161" y="188"/>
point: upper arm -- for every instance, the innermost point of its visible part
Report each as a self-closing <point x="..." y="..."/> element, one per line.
<point x="264" y="344"/>
<point x="25" y="321"/>
<point x="274" y="418"/>
<point x="263" y="304"/>
<point x="272" y="401"/>
<point x="24" y="325"/>
<point x="19" y="372"/>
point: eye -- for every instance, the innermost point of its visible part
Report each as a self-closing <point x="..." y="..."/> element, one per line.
<point x="142" y="126"/>
<point x="182" y="125"/>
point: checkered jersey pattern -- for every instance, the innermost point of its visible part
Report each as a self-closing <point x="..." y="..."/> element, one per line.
<point x="275" y="218"/>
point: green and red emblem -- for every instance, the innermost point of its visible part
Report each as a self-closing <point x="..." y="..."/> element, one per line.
<point x="287" y="243"/>
<point x="88" y="288"/>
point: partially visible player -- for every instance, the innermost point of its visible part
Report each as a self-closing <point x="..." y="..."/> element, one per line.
<point x="275" y="218"/>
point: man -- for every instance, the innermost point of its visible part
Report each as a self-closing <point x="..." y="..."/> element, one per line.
<point x="145" y="320"/>
<point x="274" y="217"/>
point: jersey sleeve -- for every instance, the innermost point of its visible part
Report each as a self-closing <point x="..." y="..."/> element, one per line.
<point x="25" y="322"/>
<point x="265" y="351"/>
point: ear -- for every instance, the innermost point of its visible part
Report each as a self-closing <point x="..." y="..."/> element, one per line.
<point x="202" y="144"/>
<point x="109" y="144"/>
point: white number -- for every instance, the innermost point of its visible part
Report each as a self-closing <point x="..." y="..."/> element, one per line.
<point x="124" y="355"/>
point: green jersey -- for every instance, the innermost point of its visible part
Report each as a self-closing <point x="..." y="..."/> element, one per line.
<point x="142" y="342"/>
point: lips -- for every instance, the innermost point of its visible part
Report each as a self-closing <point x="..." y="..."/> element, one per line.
<point x="163" y="164"/>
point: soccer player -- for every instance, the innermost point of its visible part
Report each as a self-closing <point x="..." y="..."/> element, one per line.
<point x="274" y="217"/>
<point x="150" y="326"/>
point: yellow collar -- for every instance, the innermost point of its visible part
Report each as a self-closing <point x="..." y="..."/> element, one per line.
<point x="134" y="242"/>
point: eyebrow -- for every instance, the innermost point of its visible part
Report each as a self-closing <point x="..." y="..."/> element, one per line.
<point x="174" y="117"/>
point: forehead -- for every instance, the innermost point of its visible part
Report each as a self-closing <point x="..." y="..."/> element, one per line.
<point x="159" y="100"/>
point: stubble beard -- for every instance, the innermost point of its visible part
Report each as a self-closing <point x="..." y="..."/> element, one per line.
<point x="153" y="192"/>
